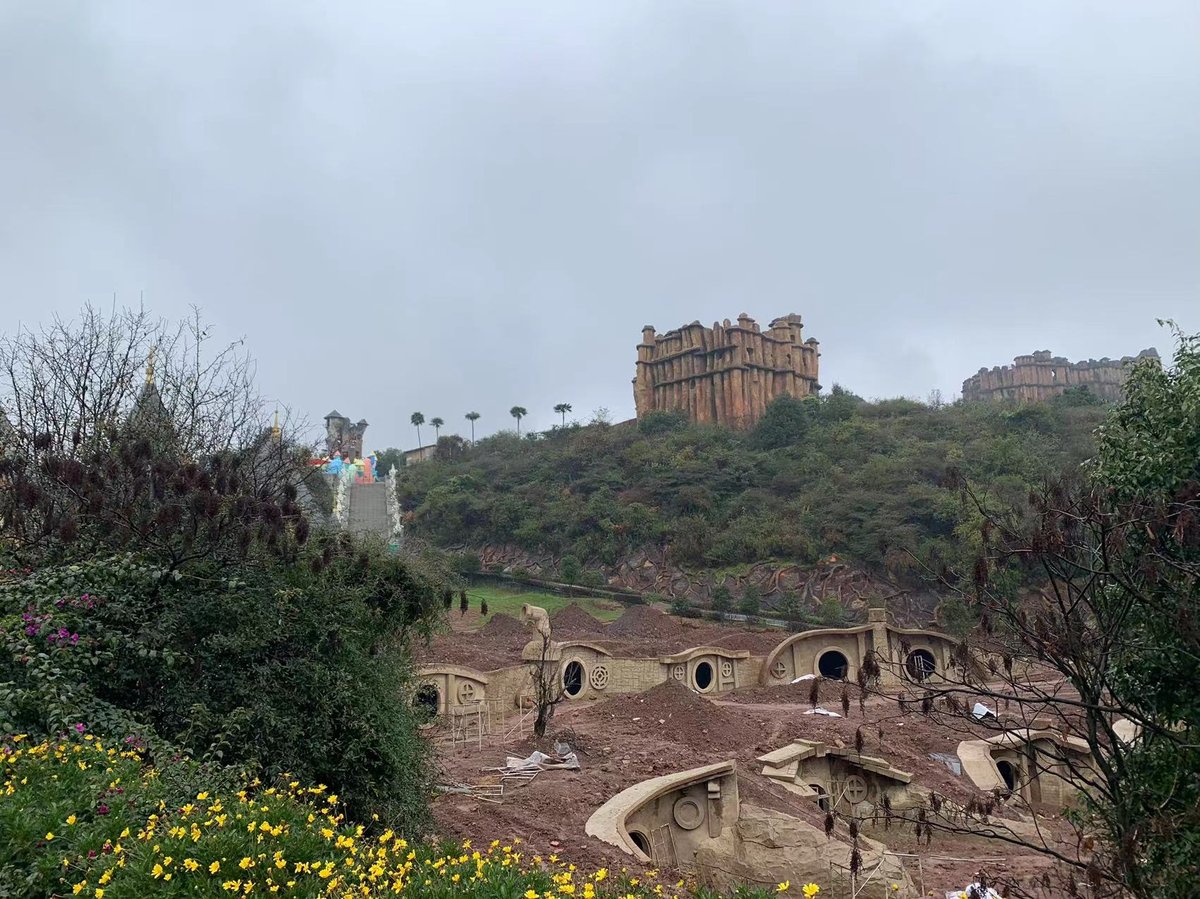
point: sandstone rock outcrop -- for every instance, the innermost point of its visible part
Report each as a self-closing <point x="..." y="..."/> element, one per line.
<point x="1040" y="376"/>
<point x="726" y="374"/>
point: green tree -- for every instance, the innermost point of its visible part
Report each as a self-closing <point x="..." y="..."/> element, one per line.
<point x="1116" y="556"/>
<point x="784" y="423"/>
<point x="562" y="409"/>
<point x="388" y="459"/>
<point x="472" y="417"/>
<point x="518" y="412"/>
<point x="417" y="420"/>
<point x="722" y="601"/>
<point x="436" y="424"/>
<point x="751" y="601"/>
<point x="570" y="570"/>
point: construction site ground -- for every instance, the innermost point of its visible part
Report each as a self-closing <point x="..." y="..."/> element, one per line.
<point x="632" y="737"/>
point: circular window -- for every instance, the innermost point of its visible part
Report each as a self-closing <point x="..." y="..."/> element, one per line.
<point x="599" y="677"/>
<point x="639" y="840"/>
<point x="427" y="702"/>
<point x="703" y="676"/>
<point x="920" y="664"/>
<point x="467" y="692"/>
<point x="727" y="669"/>
<point x="688" y="813"/>
<point x="856" y="789"/>
<point x="573" y="678"/>
<point x="677" y="672"/>
<point x="833" y="665"/>
<point x="778" y="670"/>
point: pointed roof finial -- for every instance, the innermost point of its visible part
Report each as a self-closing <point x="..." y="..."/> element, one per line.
<point x="150" y="365"/>
<point x="275" y="431"/>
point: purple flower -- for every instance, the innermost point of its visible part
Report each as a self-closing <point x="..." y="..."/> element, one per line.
<point x="74" y="639"/>
<point x="102" y="809"/>
<point x="80" y="727"/>
<point x="31" y="630"/>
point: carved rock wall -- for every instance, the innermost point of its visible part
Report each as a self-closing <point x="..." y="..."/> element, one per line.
<point x="649" y="571"/>
<point x="1040" y="376"/>
<point x="726" y="374"/>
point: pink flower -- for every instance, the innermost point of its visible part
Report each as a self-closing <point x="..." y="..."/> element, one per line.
<point x="80" y="727"/>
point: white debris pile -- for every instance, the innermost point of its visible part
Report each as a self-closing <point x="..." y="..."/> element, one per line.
<point x="820" y="711"/>
<point x="526" y="769"/>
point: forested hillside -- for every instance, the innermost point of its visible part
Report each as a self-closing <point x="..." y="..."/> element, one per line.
<point x="869" y="482"/>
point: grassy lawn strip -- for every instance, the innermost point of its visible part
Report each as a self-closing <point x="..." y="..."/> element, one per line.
<point x="509" y="602"/>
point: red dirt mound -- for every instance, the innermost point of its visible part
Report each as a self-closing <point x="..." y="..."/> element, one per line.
<point x="572" y="620"/>
<point x="645" y="621"/>
<point x="674" y="714"/>
<point x="502" y="625"/>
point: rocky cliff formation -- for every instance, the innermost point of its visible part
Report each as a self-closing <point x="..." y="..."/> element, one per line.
<point x="1040" y="376"/>
<point x="726" y="374"/>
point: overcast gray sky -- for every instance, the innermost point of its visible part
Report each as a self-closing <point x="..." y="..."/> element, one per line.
<point x="445" y="206"/>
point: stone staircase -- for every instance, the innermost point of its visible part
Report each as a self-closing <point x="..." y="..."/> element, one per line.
<point x="368" y="513"/>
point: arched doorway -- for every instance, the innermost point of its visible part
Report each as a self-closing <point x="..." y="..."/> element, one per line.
<point x="920" y="665"/>
<point x="427" y="703"/>
<point x="833" y="665"/>
<point x="1010" y="773"/>
<point x="573" y="678"/>
<point x="703" y="676"/>
<point x="639" y="840"/>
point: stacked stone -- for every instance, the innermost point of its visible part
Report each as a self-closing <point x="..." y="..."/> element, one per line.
<point x="1040" y="376"/>
<point x="727" y="374"/>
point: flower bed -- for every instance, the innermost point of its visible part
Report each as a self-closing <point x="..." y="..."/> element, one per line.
<point x="81" y="817"/>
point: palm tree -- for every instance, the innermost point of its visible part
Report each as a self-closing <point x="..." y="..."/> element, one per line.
<point x="418" y="419"/>
<point x="472" y="417"/>
<point x="518" y="412"/>
<point x="437" y="428"/>
<point x="562" y="409"/>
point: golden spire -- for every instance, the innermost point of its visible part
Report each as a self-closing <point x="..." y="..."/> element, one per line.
<point x="150" y="365"/>
<point x="275" y="430"/>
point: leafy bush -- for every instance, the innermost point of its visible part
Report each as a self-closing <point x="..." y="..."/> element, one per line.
<point x="751" y="601"/>
<point x="682" y="606"/>
<point x="79" y="816"/>
<point x="569" y="570"/>
<point x="280" y="667"/>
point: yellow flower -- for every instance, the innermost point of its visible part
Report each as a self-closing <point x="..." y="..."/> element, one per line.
<point x="214" y="867"/>
<point x="531" y="894"/>
<point x="49" y="836"/>
<point x="79" y="887"/>
<point x="810" y="890"/>
<point x="784" y="887"/>
<point x="71" y="819"/>
<point x="191" y="864"/>
<point x="157" y="871"/>
<point x="99" y="893"/>
<point x="246" y="862"/>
